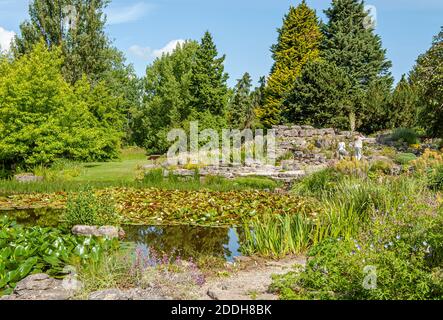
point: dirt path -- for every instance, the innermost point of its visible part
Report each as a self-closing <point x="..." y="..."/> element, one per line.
<point x="250" y="282"/>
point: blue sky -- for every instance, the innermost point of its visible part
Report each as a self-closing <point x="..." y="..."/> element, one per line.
<point x="244" y="30"/>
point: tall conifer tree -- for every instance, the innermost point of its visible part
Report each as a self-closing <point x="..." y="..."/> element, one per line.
<point x="298" y="43"/>
<point x="208" y="82"/>
<point x="352" y="45"/>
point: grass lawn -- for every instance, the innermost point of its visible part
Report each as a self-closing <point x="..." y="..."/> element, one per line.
<point x="122" y="170"/>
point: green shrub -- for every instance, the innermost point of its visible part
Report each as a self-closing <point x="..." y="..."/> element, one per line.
<point x="405" y="158"/>
<point x="153" y="176"/>
<point x="405" y="135"/>
<point x="25" y="251"/>
<point x="259" y="183"/>
<point x="435" y="178"/>
<point x="85" y="208"/>
<point x="398" y="252"/>
<point x="381" y="166"/>
<point x="318" y="183"/>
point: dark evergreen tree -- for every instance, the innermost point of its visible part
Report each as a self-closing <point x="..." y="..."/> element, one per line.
<point x="350" y="43"/>
<point x="241" y="107"/>
<point x="321" y="97"/>
<point x="355" y="63"/>
<point x="403" y="106"/>
<point x="208" y="81"/>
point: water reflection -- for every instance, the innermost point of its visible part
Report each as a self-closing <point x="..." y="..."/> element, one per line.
<point x="187" y="241"/>
<point x="184" y="240"/>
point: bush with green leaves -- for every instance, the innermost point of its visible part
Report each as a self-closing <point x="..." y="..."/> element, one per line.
<point x="405" y="135"/>
<point x="397" y="258"/>
<point x="435" y="178"/>
<point x="44" y="118"/>
<point x="25" y="251"/>
<point x="86" y="208"/>
<point x="405" y="158"/>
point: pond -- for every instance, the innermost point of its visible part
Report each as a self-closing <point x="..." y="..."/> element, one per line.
<point x="184" y="241"/>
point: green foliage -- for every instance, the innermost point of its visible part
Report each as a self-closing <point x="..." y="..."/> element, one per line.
<point x="86" y="51"/>
<point x="318" y="183"/>
<point x="298" y="43"/>
<point x="405" y="158"/>
<point x="322" y="97"/>
<point x="427" y="77"/>
<point x="241" y="107"/>
<point x="43" y="118"/>
<point x="208" y="79"/>
<point x="277" y="235"/>
<point x="404" y="263"/>
<point x="167" y="98"/>
<point x="351" y="82"/>
<point x="435" y="178"/>
<point x="405" y="135"/>
<point x="404" y="110"/>
<point x="85" y="208"/>
<point x="25" y="251"/>
<point x="257" y="183"/>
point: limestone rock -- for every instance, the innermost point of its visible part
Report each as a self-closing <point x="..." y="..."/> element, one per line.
<point x="41" y="287"/>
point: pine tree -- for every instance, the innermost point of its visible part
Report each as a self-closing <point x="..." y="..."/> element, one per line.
<point x="208" y="82"/>
<point x="427" y="77"/>
<point x="321" y="97"/>
<point x="403" y="111"/>
<point x="351" y="43"/>
<point x="241" y="108"/>
<point x="298" y="43"/>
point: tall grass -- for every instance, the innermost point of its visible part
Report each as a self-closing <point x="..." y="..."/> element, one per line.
<point x="277" y="235"/>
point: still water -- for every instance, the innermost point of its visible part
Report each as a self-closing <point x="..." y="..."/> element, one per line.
<point x="183" y="240"/>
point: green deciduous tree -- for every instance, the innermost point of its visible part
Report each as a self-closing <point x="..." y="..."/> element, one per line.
<point x="298" y="43"/>
<point x="427" y="77"/>
<point x="42" y="117"/>
<point x="75" y="25"/>
<point x="167" y="98"/>
<point x="78" y="28"/>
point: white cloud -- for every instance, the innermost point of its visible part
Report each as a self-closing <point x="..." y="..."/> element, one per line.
<point x="141" y="52"/>
<point x="169" y="48"/>
<point x="119" y="15"/>
<point x="5" y="39"/>
<point x="146" y="53"/>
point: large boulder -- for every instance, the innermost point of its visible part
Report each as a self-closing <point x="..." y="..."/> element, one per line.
<point x="105" y="231"/>
<point x="43" y="287"/>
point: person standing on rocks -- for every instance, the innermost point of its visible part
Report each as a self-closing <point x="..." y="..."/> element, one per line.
<point x="358" y="145"/>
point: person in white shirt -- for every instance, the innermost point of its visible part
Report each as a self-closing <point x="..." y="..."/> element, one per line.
<point x="342" y="150"/>
<point x="358" y="145"/>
